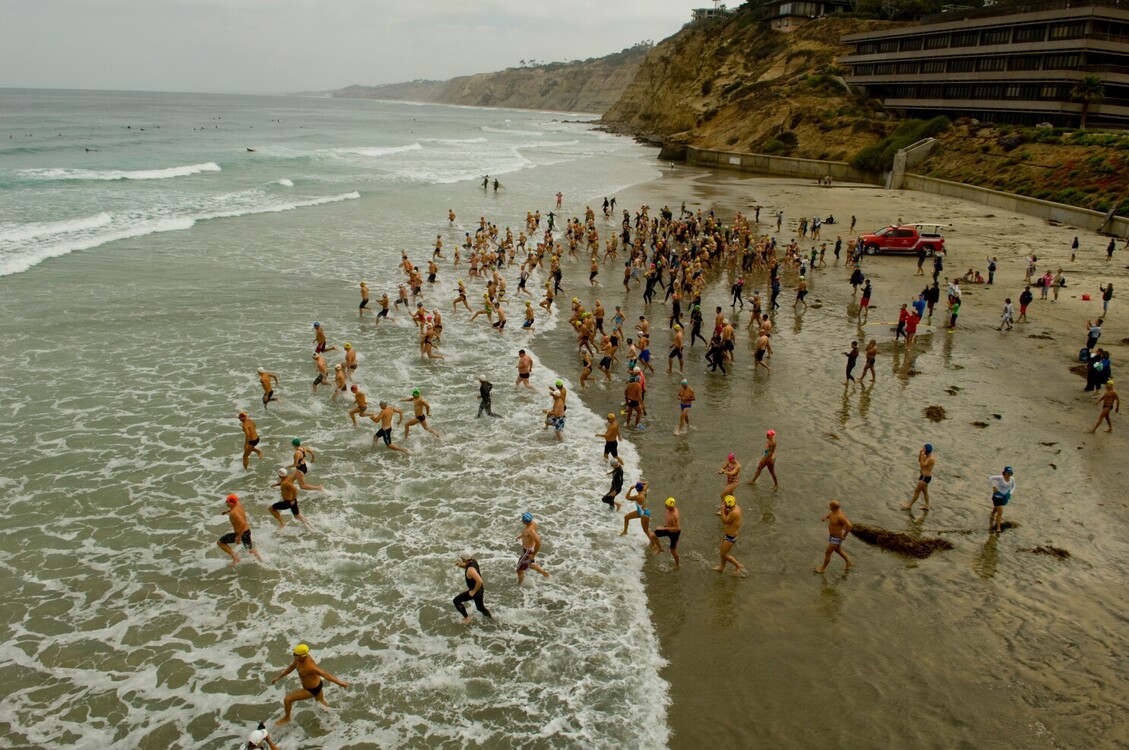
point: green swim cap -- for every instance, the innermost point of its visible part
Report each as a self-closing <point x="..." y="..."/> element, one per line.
<point x="560" y="383"/>
<point x="415" y="392"/>
<point x="295" y="442"/>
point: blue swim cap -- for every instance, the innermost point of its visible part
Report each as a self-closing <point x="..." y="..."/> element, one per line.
<point x="638" y="486"/>
<point x="527" y="517"/>
<point x="928" y="448"/>
<point x="317" y="325"/>
<point x="1008" y="470"/>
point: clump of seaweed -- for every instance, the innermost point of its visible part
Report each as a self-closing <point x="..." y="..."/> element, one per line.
<point x="934" y="413"/>
<point x="900" y="542"/>
<point x="1057" y="552"/>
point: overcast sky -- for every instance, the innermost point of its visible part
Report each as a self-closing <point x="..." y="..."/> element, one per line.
<point x="305" y="45"/>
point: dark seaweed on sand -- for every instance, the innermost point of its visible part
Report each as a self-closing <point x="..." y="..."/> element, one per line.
<point x="900" y="542"/>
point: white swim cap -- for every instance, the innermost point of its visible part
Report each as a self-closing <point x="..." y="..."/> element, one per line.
<point x="257" y="736"/>
<point x="282" y="473"/>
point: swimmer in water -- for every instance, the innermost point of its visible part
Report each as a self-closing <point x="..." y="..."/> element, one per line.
<point x="250" y="438"/>
<point x="530" y="547"/>
<point x="299" y="464"/>
<point x="731" y="470"/>
<point x="384" y="419"/>
<point x="685" y="402"/>
<point x="768" y="460"/>
<point x="475" y="588"/>
<point x="310" y="675"/>
<point x="364" y="300"/>
<point x="362" y="404"/>
<point x="240" y="531"/>
<point x="268" y="380"/>
<point x="422" y="411"/>
<point x="837" y="529"/>
<point x="323" y="371"/>
<point x="671" y="529"/>
<point x="926" y="461"/>
<point x="731" y="529"/>
<point x="617" y="485"/>
<point x="289" y="500"/>
<point x="611" y="437"/>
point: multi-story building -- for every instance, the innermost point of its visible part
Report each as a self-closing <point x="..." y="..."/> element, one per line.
<point x="1017" y="64"/>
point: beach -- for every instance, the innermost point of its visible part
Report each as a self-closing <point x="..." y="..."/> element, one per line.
<point x="986" y="645"/>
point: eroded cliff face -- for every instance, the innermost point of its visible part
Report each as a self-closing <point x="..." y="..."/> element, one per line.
<point x="733" y="84"/>
<point x="590" y="86"/>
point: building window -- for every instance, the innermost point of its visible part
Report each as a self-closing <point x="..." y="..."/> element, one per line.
<point x="890" y="45"/>
<point x="1024" y="62"/>
<point x="867" y="48"/>
<point x="961" y="65"/>
<point x="991" y="63"/>
<point x="1050" y="91"/>
<point x="884" y="69"/>
<point x="933" y="66"/>
<point x="995" y="36"/>
<point x="1059" y="62"/>
<point x="1068" y="30"/>
<point x="907" y="68"/>
<point x="910" y="45"/>
<point x="937" y="41"/>
<point x="864" y="70"/>
<point x="1012" y="91"/>
<point x="1030" y="34"/>
<point x="965" y="38"/>
<point x="987" y="91"/>
<point x="958" y="91"/>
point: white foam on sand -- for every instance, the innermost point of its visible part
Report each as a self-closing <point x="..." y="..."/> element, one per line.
<point x="118" y="174"/>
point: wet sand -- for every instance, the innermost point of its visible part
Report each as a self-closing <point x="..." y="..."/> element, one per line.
<point x="986" y="645"/>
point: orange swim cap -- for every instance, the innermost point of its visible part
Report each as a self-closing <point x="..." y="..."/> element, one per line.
<point x="232" y="499"/>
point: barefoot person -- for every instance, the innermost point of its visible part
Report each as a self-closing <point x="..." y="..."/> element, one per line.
<point x="311" y="676"/>
<point x="240" y="530"/>
<point x="250" y="438"/>
<point x="768" y="460"/>
<point x="530" y="546"/>
<point x="289" y="501"/>
<point x="837" y="529"/>
<point x="1003" y="485"/>
<point x="259" y="739"/>
<point x="422" y="411"/>
<point x="268" y="380"/>
<point x="638" y="495"/>
<point x="299" y="464"/>
<point x="524" y="369"/>
<point x="616" y="474"/>
<point x="730" y="530"/>
<point x="611" y="437"/>
<point x="926" y="461"/>
<point x="1109" y="399"/>
<point x="671" y="529"/>
<point x="474" y="588"/>
<point x="685" y="402"/>
<point x="362" y="404"/>
<point x="384" y="419"/>
<point x="731" y="470"/>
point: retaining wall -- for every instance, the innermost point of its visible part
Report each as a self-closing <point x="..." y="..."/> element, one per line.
<point x="778" y="165"/>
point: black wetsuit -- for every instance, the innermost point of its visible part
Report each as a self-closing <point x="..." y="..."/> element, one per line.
<point x="466" y="596"/>
<point x="484" y="389"/>
<point x="617" y="486"/>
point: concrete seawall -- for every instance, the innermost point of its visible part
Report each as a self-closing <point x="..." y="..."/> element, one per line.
<point x="814" y="169"/>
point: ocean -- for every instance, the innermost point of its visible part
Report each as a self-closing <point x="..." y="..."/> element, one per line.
<point x="155" y="249"/>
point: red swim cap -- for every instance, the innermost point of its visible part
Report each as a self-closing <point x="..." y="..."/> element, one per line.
<point x="232" y="499"/>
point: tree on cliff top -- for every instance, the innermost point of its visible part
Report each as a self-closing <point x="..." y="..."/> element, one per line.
<point x="1090" y="90"/>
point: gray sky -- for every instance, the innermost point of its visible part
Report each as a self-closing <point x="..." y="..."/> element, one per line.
<point x="301" y="45"/>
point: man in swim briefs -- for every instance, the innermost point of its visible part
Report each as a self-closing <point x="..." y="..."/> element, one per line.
<point x="364" y="300"/>
<point x="926" y="461"/>
<point x="240" y="530"/>
<point x="530" y="546"/>
<point x="422" y="411"/>
<point x="250" y="438"/>
<point x="671" y="529"/>
<point x="322" y="369"/>
<point x="731" y="528"/>
<point x="837" y="529"/>
<point x="611" y="437"/>
<point x="289" y="499"/>
<point x="524" y="369"/>
<point x="267" y="380"/>
<point x="311" y="676"/>
<point x="685" y="402"/>
<point x="384" y="419"/>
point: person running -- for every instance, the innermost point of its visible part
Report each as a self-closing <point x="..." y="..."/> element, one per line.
<point x="240" y="530"/>
<point x="530" y="540"/>
<point x="362" y="404"/>
<point x="616" y="474"/>
<point x="384" y="420"/>
<point x="268" y="380"/>
<point x="258" y="739"/>
<point x="762" y="350"/>
<point x="1110" y="400"/>
<point x="364" y="300"/>
<point x="250" y="438"/>
<point x="524" y="369"/>
<point x="731" y="470"/>
<point x="730" y="530"/>
<point x="685" y="403"/>
<point x="852" y="359"/>
<point x="837" y="529"/>
<point x="311" y="677"/>
<point x="611" y="437"/>
<point x="638" y="495"/>
<point x="675" y="350"/>
<point x="871" y="357"/>
<point x="475" y="588"/>
<point x="925" y="461"/>
<point x="289" y="492"/>
<point x="320" y="345"/>
<point x="555" y="414"/>
<point x="299" y="464"/>
<point x="1003" y="485"/>
<point x="671" y="529"/>
<point x="768" y="460"/>
<point x="422" y="411"/>
<point x="484" y="398"/>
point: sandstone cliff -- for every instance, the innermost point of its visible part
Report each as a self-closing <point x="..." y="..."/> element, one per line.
<point x="589" y="86"/>
<point x="733" y="84"/>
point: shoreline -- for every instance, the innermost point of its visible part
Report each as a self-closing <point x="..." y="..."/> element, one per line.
<point x="708" y="624"/>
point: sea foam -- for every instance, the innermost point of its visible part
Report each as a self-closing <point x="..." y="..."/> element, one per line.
<point x="119" y="174"/>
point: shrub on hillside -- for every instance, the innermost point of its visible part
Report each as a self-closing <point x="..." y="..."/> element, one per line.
<point x="879" y="157"/>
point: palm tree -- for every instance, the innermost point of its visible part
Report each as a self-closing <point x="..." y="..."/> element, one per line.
<point x="1090" y="90"/>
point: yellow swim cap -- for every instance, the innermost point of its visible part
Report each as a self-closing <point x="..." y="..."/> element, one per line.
<point x="611" y="415"/>
<point x="730" y="500"/>
<point x="348" y="346"/>
<point x="363" y="284"/>
<point x="670" y="502"/>
<point x="301" y="649"/>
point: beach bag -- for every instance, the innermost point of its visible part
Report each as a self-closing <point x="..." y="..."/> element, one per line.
<point x="1084" y="355"/>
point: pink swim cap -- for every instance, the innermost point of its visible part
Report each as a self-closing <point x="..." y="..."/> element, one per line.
<point x="731" y="456"/>
<point x="771" y="433"/>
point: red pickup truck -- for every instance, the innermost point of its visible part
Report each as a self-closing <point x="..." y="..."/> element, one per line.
<point x="906" y="239"/>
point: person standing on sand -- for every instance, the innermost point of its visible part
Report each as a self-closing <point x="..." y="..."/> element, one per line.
<point x="611" y="437"/>
<point x="1109" y="250"/>
<point x="671" y="529"/>
<point x="1110" y="400"/>
<point x="289" y="500"/>
<point x="240" y="530"/>
<point x="250" y="438"/>
<point x="1095" y="332"/>
<point x="475" y="588"/>
<point x="837" y="529"/>
<point x="1005" y="315"/>
<point x="530" y="546"/>
<point x="731" y="470"/>
<point x="310" y="675"/>
<point x="852" y="358"/>
<point x="1073" y="249"/>
<point x="1025" y="299"/>
<point x="1003" y="485"/>
<point x="768" y="460"/>
<point x="730" y="530"/>
<point x="871" y="357"/>
<point x="1107" y="295"/>
<point x="524" y="369"/>
<point x="267" y="380"/>
<point x="925" y="461"/>
<point x="685" y="403"/>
